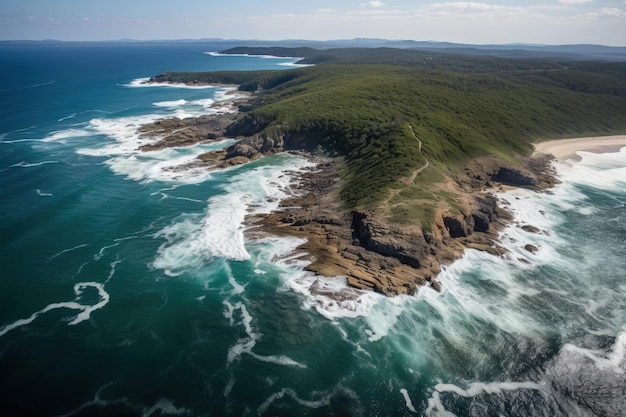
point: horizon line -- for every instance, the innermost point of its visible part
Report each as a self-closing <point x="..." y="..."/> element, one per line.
<point x="130" y="40"/>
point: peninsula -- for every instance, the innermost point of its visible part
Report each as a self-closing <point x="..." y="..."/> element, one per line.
<point x="410" y="146"/>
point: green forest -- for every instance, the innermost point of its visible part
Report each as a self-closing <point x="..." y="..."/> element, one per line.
<point x="372" y="107"/>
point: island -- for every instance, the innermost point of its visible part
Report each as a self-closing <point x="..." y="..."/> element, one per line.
<point x="410" y="147"/>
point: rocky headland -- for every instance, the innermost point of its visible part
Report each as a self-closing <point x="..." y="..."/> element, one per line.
<point x="363" y="245"/>
<point x="375" y="254"/>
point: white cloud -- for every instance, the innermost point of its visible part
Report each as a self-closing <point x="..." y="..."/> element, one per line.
<point x="575" y="1"/>
<point x="374" y="3"/>
<point x="463" y="8"/>
<point x="608" y="12"/>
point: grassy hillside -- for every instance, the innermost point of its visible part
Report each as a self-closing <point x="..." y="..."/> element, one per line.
<point x="361" y="104"/>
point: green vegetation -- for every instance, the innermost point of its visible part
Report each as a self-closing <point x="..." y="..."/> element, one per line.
<point x="360" y="103"/>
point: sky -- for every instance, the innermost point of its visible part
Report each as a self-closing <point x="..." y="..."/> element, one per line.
<point x="477" y="22"/>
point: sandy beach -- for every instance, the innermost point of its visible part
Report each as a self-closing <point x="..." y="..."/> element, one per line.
<point x="564" y="149"/>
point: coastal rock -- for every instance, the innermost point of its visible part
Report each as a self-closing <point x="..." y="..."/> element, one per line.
<point x="531" y="248"/>
<point x="484" y="212"/>
<point x="247" y="126"/>
<point x="240" y="149"/>
<point x="406" y="246"/>
<point x="185" y="132"/>
<point x="459" y="226"/>
<point x="514" y="177"/>
<point x="530" y="229"/>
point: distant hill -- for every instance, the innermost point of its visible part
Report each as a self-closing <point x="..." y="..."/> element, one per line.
<point x="570" y="52"/>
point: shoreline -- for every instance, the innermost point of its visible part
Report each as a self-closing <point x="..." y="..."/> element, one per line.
<point x="566" y="149"/>
<point x="361" y="245"/>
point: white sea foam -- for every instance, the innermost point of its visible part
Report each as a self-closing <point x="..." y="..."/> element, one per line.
<point x="29" y="86"/>
<point x="237" y="288"/>
<point x="193" y="200"/>
<point x="605" y="171"/>
<point x="333" y="298"/>
<point x="124" y="139"/>
<point x="124" y="132"/>
<point x="85" y="310"/>
<point x="70" y="116"/>
<point x="174" y="103"/>
<point x="206" y="103"/>
<point x="436" y="408"/>
<point x="289" y="64"/>
<point x="229" y="93"/>
<point x="66" y="134"/>
<point x="113" y="265"/>
<point x="8" y="142"/>
<point x="24" y="164"/>
<point x="251" y="56"/>
<point x="42" y="194"/>
<point x="295" y="64"/>
<point x="143" y="83"/>
<point x="165" y="406"/>
<point x="228" y="313"/>
<point x="163" y="165"/>
<point x="463" y="301"/>
<point x="329" y="296"/>
<point x="614" y="361"/>
<point x="100" y="253"/>
<point x="126" y="159"/>
<point x="246" y="344"/>
<point x="97" y="401"/>
<point x="219" y="104"/>
<point x="220" y="232"/>
<point x="66" y="250"/>
<point x="477" y="388"/>
<point x="322" y="402"/>
<point x="407" y="400"/>
<point x="545" y="210"/>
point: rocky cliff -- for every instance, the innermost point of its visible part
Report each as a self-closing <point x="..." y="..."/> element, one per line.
<point x="375" y="254"/>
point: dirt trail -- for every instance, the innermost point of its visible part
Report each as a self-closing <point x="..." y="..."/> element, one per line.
<point x="410" y="179"/>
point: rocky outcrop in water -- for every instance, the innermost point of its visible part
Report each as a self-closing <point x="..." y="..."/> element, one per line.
<point x="185" y="132"/>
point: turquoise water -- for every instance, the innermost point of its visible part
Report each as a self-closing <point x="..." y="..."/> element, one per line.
<point x="129" y="288"/>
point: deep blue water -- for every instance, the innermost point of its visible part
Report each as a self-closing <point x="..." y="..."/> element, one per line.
<point x="129" y="288"/>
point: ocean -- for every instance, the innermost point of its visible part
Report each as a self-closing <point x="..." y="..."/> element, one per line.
<point x="128" y="286"/>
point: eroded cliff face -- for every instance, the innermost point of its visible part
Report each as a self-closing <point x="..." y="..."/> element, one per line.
<point x="373" y="253"/>
<point x="426" y="251"/>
